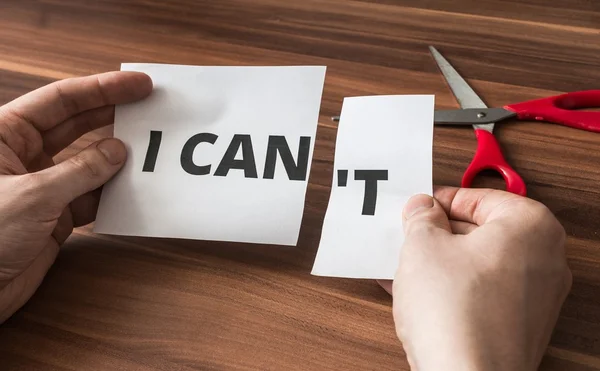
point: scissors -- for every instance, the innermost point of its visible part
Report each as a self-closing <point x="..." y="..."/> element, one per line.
<point x="556" y="109"/>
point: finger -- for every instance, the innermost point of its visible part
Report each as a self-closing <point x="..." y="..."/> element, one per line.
<point x="52" y="104"/>
<point x="10" y="163"/>
<point x="84" y="172"/>
<point x="386" y="285"/>
<point x="423" y="214"/>
<point x="475" y="205"/>
<point x="459" y="227"/>
<point x="84" y="208"/>
<point x="62" y="135"/>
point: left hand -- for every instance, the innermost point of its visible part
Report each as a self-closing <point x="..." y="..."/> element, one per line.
<point x="40" y="202"/>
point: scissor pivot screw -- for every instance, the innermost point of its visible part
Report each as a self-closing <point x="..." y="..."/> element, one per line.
<point x="481" y="115"/>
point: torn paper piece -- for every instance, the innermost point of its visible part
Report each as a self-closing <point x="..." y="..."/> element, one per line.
<point x="215" y="153"/>
<point x="383" y="156"/>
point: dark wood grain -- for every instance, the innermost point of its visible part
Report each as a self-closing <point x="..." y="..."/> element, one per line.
<point x="158" y="304"/>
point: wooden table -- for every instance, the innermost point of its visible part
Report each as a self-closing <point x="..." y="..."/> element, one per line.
<point x="152" y="304"/>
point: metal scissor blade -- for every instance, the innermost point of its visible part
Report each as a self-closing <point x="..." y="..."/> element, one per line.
<point x="471" y="116"/>
<point x="465" y="95"/>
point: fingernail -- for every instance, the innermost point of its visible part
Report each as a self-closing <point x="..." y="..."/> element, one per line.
<point x="417" y="204"/>
<point x="113" y="150"/>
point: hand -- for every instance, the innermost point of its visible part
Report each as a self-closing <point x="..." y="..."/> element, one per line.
<point x="41" y="202"/>
<point x="481" y="280"/>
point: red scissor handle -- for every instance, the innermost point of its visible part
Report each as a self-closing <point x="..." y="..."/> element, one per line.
<point x="559" y="110"/>
<point x="489" y="156"/>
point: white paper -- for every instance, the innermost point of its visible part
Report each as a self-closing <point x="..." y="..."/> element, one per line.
<point x="225" y="101"/>
<point x="393" y="133"/>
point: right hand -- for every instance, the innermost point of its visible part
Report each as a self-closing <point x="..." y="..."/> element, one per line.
<point x="481" y="281"/>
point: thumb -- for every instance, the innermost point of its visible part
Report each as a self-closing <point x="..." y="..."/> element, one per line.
<point x="85" y="171"/>
<point x="423" y="214"/>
